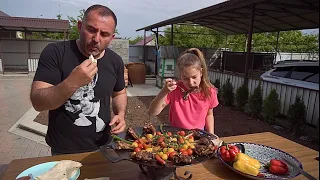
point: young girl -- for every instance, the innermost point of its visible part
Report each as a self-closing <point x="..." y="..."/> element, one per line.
<point x="191" y="99"/>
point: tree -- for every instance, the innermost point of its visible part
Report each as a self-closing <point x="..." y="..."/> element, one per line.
<point x="73" y="33"/>
<point x="135" y="40"/>
<point x="289" y="41"/>
<point x="192" y="36"/>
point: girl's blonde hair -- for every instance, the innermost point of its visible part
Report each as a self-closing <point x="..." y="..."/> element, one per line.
<point x="194" y="57"/>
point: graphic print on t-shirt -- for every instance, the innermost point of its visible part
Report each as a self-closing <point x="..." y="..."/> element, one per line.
<point x="82" y="102"/>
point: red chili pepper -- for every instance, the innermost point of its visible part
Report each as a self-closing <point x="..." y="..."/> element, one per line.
<point x="161" y="139"/>
<point x="278" y="167"/>
<point x="229" y="152"/>
<point x="160" y="160"/>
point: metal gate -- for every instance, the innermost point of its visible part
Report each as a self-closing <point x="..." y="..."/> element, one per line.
<point x="15" y="53"/>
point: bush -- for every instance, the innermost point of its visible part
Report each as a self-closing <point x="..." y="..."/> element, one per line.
<point x="271" y="107"/>
<point x="242" y="97"/>
<point x="297" y="115"/>
<point x="254" y="105"/>
<point x="217" y="85"/>
<point x="227" y="93"/>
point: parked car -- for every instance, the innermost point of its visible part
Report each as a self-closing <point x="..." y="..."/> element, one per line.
<point x="303" y="74"/>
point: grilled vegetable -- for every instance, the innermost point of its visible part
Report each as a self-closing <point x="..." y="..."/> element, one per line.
<point x="278" y="167"/>
<point x="229" y="152"/>
<point x="246" y="164"/>
<point x="250" y="160"/>
<point x="121" y="139"/>
<point x="159" y="160"/>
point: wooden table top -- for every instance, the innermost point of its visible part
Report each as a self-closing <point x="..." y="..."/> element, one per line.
<point x="95" y="165"/>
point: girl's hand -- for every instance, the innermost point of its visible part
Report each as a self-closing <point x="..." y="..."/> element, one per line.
<point x="170" y="85"/>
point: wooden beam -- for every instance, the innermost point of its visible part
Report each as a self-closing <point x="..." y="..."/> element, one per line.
<point x="210" y="23"/>
<point x="209" y="34"/>
<point x="297" y="6"/>
<point x="279" y="20"/>
<point x="171" y="35"/>
<point x="249" y="44"/>
<point x="144" y="47"/>
<point x="296" y="14"/>
<point x="243" y="15"/>
<point x="233" y="19"/>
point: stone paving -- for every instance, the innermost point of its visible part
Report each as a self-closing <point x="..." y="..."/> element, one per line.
<point x="14" y="103"/>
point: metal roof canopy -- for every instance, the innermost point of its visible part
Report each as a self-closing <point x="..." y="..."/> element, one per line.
<point x="233" y="16"/>
<point x="8" y="23"/>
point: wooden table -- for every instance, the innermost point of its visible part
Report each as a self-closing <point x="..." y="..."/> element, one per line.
<point x="95" y="165"/>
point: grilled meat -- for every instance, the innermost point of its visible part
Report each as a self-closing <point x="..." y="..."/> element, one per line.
<point x="204" y="141"/>
<point x="204" y="150"/>
<point x="123" y="145"/>
<point x="142" y="155"/>
<point x="195" y="134"/>
<point x="132" y="134"/>
<point x="148" y="128"/>
<point x="185" y="159"/>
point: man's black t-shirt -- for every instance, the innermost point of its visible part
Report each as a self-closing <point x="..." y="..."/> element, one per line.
<point x="82" y="123"/>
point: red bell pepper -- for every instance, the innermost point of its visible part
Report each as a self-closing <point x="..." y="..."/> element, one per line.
<point x="229" y="152"/>
<point x="278" y="167"/>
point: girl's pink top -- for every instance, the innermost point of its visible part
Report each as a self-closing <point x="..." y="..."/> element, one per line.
<point x="191" y="113"/>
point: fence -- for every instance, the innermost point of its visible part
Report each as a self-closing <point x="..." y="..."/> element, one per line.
<point x="23" y="55"/>
<point x="287" y="94"/>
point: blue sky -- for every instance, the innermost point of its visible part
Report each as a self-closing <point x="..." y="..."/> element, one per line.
<point x="137" y="14"/>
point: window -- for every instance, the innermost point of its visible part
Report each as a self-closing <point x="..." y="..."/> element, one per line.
<point x="170" y="67"/>
<point x="281" y="71"/>
<point x="314" y="78"/>
<point x="302" y="72"/>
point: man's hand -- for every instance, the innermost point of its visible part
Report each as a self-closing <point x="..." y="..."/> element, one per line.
<point x="82" y="74"/>
<point x="119" y="123"/>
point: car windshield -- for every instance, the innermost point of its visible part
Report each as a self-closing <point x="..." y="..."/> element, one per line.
<point x="303" y="72"/>
<point x="281" y="71"/>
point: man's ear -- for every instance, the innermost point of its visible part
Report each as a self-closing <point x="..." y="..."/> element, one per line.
<point x="111" y="40"/>
<point x="79" y="25"/>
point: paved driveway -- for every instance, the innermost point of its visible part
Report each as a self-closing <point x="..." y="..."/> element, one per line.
<point x="14" y="103"/>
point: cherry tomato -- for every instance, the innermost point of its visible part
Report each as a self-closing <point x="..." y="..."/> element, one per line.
<point x="191" y="139"/>
<point x="161" y="139"/>
<point x="181" y="140"/>
<point x="189" y="151"/>
<point x="135" y="144"/>
<point x="163" y="144"/>
<point x="159" y="133"/>
<point x="146" y="146"/>
<point x="172" y="154"/>
<point x="140" y="146"/>
<point x="182" y="133"/>
<point x="169" y="133"/>
<point x="137" y="149"/>
<point x="182" y="149"/>
<point x="184" y="153"/>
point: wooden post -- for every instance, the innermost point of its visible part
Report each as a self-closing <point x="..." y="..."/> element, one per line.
<point x="277" y="46"/>
<point x="144" y="47"/>
<point x="171" y="40"/>
<point x="157" y="51"/>
<point x="64" y="35"/>
<point x="249" y="45"/>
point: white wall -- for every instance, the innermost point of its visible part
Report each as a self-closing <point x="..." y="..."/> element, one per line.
<point x="295" y="56"/>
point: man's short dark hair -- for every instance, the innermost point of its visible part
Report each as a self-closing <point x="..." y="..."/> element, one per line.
<point x="102" y="10"/>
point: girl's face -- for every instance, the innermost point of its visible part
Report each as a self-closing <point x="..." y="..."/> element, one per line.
<point x="191" y="77"/>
